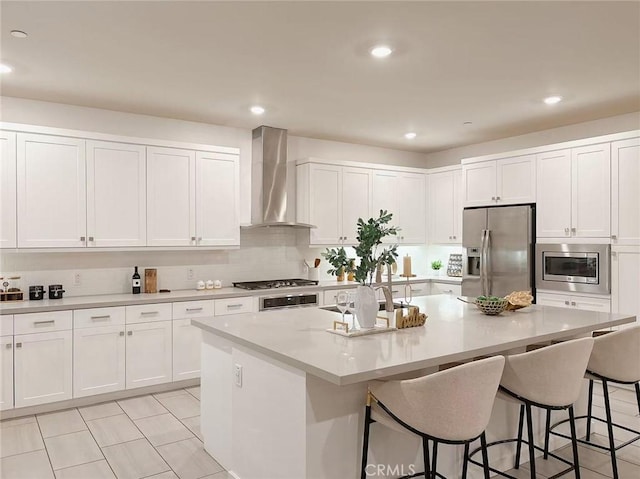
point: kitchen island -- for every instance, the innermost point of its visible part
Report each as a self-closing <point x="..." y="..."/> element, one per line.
<point x="284" y="398"/>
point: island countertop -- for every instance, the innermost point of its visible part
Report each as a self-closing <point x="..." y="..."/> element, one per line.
<point x="454" y="331"/>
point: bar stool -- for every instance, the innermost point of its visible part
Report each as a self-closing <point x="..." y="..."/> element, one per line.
<point x="615" y="359"/>
<point x="449" y="407"/>
<point x="548" y="378"/>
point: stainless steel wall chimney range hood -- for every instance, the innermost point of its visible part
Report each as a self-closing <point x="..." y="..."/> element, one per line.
<point x="269" y="180"/>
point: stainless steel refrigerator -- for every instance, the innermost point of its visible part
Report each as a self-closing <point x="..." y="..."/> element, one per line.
<point x="498" y="247"/>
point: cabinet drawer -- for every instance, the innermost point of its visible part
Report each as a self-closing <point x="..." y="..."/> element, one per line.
<point x="193" y="309"/>
<point x="446" y="288"/>
<point x="6" y="325"/>
<point x="43" y="322"/>
<point x="89" y="318"/>
<point x="331" y="297"/>
<point x="146" y="313"/>
<point x="419" y="289"/>
<point x="235" y="306"/>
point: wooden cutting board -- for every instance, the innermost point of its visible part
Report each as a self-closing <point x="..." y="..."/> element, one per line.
<point x="151" y="280"/>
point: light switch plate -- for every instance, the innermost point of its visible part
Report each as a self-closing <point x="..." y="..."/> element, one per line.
<point x="237" y="373"/>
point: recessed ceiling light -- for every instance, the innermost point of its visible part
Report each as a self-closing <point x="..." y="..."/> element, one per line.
<point x="552" y="100"/>
<point x="410" y="136"/>
<point x="19" y="34"/>
<point x="257" y="110"/>
<point x="4" y="68"/>
<point x="381" y="51"/>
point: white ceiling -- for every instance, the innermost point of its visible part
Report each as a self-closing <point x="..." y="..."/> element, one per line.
<point x="307" y="62"/>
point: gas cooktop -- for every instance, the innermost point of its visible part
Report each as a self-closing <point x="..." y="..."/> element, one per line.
<point x="276" y="283"/>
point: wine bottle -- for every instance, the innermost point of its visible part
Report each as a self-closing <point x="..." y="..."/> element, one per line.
<point x="135" y="282"/>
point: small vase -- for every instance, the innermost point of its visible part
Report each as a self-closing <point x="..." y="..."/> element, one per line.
<point x="341" y="274"/>
<point x="366" y="306"/>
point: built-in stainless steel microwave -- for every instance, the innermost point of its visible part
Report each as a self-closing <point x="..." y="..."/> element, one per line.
<point x="573" y="267"/>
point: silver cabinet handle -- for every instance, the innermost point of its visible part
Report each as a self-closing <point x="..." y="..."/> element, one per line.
<point x="234" y="306"/>
<point x="493" y="198"/>
<point x="129" y="333"/>
<point x="148" y="313"/>
<point x="497" y="198"/>
<point x="193" y="238"/>
<point x="566" y="230"/>
<point x="90" y="238"/>
<point x="567" y="303"/>
<point x="573" y="303"/>
<point x="9" y="346"/>
<point x="614" y="254"/>
<point x="18" y="345"/>
<point x="614" y="237"/>
<point x="193" y="310"/>
<point x="573" y="230"/>
<point x="121" y="333"/>
<point x="100" y="318"/>
<point x="199" y="239"/>
<point x="50" y="321"/>
<point x="83" y="238"/>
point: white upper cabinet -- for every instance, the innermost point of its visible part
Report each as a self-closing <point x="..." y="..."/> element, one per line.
<point x="574" y="198"/>
<point x="625" y="192"/>
<point x="553" y="214"/>
<point x="171" y="212"/>
<point x="507" y="181"/>
<point x="412" y="208"/>
<point x="217" y="199"/>
<point x="445" y="207"/>
<point x="7" y="189"/>
<point x="385" y="197"/>
<point x="51" y="191"/>
<point x="116" y="194"/>
<point x="332" y="198"/>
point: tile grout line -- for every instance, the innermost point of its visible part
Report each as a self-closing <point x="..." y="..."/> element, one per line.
<point x="104" y="458"/>
<point x="45" y="445"/>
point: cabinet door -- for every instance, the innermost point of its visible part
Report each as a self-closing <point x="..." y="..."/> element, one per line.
<point x="51" y="192"/>
<point x="625" y="281"/>
<point x="187" y="341"/>
<point x="591" y="304"/>
<point x="412" y="208"/>
<point x="357" y="198"/>
<point x="116" y="194"/>
<point x="171" y="198"/>
<point x="385" y="197"/>
<point x="217" y="199"/>
<point x="591" y="191"/>
<point x="148" y="354"/>
<point x="43" y="368"/>
<point x="7" y="189"/>
<point x="442" y="207"/>
<point x="553" y="214"/>
<point x="516" y="180"/>
<point x="6" y="372"/>
<point x="325" y="199"/>
<point x="556" y="300"/>
<point x="479" y="184"/>
<point x="98" y="360"/>
<point x="625" y="193"/>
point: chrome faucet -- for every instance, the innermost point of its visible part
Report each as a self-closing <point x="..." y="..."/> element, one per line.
<point x="386" y="289"/>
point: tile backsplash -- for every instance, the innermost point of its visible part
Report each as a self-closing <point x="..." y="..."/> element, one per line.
<point x="268" y="253"/>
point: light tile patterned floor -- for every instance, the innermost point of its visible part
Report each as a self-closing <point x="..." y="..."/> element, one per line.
<point x="153" y="436"/>
<point x="158" y="436"/>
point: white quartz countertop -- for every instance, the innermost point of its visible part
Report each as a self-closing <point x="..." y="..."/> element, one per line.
<point x="107" y="300"/>
<point x="454" y="331"/>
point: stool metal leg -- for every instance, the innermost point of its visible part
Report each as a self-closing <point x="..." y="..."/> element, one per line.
<point x="434" y="462"/>
<point x="465" y="461"/>
<point x="638" y="395"/>
<point x="589" y="409"/>
<point x="612" y="446"/>
<point x="546" y="435"/>
<point x="519" y="442"/>
<point x="532" y="456"/>
<point x="485" y="455"/>
<point x="574" y="443"/>
<point x="365" y="442"/>
<point x="425" y="457"/>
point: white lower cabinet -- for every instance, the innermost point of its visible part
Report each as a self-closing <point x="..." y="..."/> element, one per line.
<point x="186" y="350"/>
<point x="625" y="281"/>
<point x="6" y="372"/>
<point x="445" y="288"/>
<point x="43" y="365"/>
<point x="98" y="360"/>
<point x="586" y="303"/>
<point x="148" y="354"/>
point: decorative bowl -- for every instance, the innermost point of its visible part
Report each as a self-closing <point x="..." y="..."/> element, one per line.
<point x="492" y="307"/>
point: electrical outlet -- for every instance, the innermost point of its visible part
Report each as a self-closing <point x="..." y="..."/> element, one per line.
<point x="77" y="279"/>
<point x="237" y="373"/>
<point x="190" y="274"/>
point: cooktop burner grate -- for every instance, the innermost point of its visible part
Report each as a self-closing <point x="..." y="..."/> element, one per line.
<point x="274" y="284"/>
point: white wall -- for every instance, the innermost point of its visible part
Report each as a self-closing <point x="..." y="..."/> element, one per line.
<point x="603" y="126"/>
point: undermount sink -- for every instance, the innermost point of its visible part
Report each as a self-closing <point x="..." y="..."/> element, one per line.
<point x="381" y="307"/>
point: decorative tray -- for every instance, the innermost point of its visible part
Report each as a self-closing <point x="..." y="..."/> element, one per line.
<point x="343" y="329"/>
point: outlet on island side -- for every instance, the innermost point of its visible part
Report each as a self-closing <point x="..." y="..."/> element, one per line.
<point x="237" y="374"/>
<point x="77" y="279"/>
<point x="190" y="274"/>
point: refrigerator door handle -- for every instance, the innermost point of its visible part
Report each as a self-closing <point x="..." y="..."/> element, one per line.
<point x="483" y="262"/>
<point x="488" y="274"/>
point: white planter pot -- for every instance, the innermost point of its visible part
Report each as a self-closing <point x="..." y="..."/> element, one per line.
<point x="366" y="306"/>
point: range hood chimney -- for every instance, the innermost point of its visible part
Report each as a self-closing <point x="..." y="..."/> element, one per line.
<point x="269" y="180"/>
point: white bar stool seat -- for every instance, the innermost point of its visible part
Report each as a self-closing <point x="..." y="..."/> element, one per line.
<point x="451" y="407"/>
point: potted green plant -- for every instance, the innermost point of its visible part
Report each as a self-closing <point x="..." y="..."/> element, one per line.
<point x="371" y="255"/>
<point x="337" y="258"/>
<point x="436" y="265"/>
